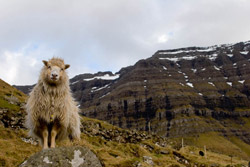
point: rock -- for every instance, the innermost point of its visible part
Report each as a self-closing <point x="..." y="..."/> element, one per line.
<point x="1" y="124"/>
<point x="214" y="165"/>
<point x="148" y="160"/>
<point x="63" y="157"/>
<point x="137" y="164"/>
<point x="29" y="140"/>
<point x="164" y="151"/>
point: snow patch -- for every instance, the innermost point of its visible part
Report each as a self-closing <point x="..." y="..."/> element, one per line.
<point x="190" y="84"/>
<point x="170" y="59"/>
<point x="194" y="70"/>
<point x="105" y="77"/>
<point x="94" y="89"/>
<point x="241" y="81"/>
<point x="230" y="83"/>
<point x="230" y="55"/>
<point x="104" y="95"/>
<point x="164" y="68"/>
<point x="212" y="57"/>
<point x="244" y="52"/>
<point x="211" y="83"/>
<point x="74" y="82"/>
<point x="216" y="68"/>
<point x="189" y="57"/>
<point x="181" y="84"/>
<point x="200" y="94"/>
<point x="207" y="49"/>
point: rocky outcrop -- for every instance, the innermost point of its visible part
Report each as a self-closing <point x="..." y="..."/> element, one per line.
<point x="63" y="157"/>
<point x="12" y="119"/>
<point x="119" y="135"/>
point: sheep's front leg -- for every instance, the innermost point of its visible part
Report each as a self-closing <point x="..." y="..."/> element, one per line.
<point x="45" y="134"/>
<point x="53" y="136"/>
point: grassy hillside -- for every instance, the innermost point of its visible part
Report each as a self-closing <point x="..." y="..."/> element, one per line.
<point x="114" y="154"/>
<point x="10" y="97"/>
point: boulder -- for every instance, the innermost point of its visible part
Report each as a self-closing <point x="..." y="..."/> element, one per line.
<point x="148" y="160"/>
<point x="63" y="157"/>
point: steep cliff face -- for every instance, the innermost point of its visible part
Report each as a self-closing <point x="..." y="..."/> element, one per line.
<point x="176" y="92"/>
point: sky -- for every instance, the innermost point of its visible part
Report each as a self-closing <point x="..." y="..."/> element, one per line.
<point x="106" y="35"/>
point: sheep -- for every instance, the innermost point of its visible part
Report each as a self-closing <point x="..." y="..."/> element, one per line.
<point x="52" y="113"/>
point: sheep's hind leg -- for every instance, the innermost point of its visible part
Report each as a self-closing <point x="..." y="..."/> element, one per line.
<point x="45" y="138"/>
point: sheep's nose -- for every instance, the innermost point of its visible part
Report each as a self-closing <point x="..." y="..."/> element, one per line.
<point x="54" y="75"/>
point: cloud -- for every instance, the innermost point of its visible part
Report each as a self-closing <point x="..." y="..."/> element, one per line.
<point x="107" y="35"/>
<point x="23" y="66"/>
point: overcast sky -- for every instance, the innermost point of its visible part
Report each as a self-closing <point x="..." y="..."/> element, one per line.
<point x="106" y="35"/>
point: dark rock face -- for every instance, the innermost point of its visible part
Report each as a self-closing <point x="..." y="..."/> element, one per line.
<point x="12" y="119"/>
<point x="63" y="157"/>
<point x="174" y="93"/>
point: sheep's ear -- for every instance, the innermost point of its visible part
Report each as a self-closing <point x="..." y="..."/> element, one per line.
<point x="45" y="62"/>
<point x="67" y="66"/>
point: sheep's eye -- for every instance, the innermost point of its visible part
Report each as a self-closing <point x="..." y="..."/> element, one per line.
<point x="49" y="67"/>
<point x="62" y="69"/>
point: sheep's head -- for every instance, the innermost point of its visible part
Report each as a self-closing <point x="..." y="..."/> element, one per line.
<point x="54" y="71"/>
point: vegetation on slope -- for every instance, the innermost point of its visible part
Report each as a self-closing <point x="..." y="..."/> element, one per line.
<point x="114" y="154"/>
<point x="117" y="147"/>
<point x="10" y="97"/>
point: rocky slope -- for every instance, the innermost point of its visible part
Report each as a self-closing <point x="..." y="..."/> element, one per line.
<point x="174" y="93"/>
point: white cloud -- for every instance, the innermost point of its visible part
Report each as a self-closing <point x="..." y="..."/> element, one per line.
<point x="23" y="66"/>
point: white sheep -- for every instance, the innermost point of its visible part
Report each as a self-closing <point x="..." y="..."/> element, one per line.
<point x="52" y="112"/>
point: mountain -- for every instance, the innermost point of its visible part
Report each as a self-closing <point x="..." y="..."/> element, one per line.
<point x="175" y="93"/>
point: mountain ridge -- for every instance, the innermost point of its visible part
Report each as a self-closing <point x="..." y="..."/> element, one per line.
<point x="198" y="87"/>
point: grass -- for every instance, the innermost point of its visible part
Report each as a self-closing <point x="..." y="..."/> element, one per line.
<point x="211" y="157"/>
<point x="13" y="149"/>
<point x="5" y="104"/>
<point x="114" y="154"/>
<point x="8" y="90"/>
<point x="216" y="143"/>
<point x="243" y="146"/>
